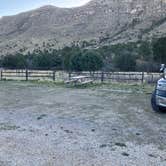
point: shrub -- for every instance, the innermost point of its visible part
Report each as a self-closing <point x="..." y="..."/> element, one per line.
<point x="91" y="61"/>
<point x="14" y="61"/>
<point x="159" y="50"/>
<point x="125" y="62"/>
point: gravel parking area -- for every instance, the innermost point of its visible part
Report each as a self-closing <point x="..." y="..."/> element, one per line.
<point x="49" y="125"/>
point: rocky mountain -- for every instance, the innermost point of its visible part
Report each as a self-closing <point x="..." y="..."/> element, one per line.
<point x="100" y="22"/>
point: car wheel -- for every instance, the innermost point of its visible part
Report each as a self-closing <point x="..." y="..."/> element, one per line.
<point x="153" y="102"/>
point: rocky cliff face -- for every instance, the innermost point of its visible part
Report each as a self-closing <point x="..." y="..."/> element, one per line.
<point x="100" y="21"/>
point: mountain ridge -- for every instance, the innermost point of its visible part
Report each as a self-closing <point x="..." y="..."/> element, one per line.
<point x="100" y="22"/>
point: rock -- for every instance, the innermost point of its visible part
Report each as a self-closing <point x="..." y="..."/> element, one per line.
<point x="125" y="154"/>
<point x="93" y="130"/>
<point x="120" y="144"/>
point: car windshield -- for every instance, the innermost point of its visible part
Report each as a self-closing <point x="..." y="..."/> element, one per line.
<point x="161" y="93"/>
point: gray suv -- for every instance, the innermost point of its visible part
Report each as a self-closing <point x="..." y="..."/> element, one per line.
<point x="158" y="99"/>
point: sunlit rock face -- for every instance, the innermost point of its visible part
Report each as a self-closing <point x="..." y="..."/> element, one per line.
<point x="100" y="21"/>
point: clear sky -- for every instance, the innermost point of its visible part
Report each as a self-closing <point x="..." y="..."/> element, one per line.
<point x="11" y="7"/>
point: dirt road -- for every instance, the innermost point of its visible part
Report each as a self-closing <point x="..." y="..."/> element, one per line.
<point x="42" y="125"/>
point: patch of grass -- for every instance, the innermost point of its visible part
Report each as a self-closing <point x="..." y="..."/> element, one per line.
<point x="136" y="88"/>
<point x="133" y="87"/>
<point x="48" y="83"/>
<point x="6" y="126"/>
<point x="90" y="86"/>
<point x="162" y="147"/>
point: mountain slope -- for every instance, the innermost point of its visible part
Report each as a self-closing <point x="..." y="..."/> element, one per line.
<point x="103" y="21"/>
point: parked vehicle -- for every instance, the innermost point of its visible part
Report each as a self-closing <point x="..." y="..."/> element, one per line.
<point x="158" y="99"/>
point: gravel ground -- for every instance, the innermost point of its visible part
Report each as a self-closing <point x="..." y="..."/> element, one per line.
<point x="42" y="125"/>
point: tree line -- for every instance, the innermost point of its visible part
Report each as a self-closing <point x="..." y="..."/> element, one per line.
<point x="69" y="58"/>
<point x="138" y="56"/>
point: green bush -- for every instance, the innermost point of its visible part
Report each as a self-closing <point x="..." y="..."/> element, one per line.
<point x="145" y="51"/>
<point x="159" y="50"/>
<point x="125" y="62"/>
<point x="86" y="61"/>
<point x="14" y="61"/>
<point x="91" y="61"/>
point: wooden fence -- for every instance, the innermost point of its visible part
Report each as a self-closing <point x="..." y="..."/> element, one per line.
<point x="58" y="76"/>
<point x="49" y="75"/>
<point x="138" y="77"/>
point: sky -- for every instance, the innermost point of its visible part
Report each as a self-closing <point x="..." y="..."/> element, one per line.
<point x="11" y="7"/>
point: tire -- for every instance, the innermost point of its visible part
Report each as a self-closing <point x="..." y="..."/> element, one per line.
<point x="153" y="102"/>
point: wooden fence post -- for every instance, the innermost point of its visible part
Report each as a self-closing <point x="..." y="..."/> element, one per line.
<point x="152" y="78"/>
<point x="102" y="76"/>
<point x="142" y="79"/>
<point x="53" y="77"/>
<point x="69" y="75"/>
<point x="26" y="74"/>
<point x="1" y="75"/>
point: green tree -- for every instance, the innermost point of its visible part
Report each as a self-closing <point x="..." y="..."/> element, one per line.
<point x="45" y="59"/>
<point x="145" y="51"/>
<point x="159" y="50"/>
<point x="76" y="62"/>
<point x="67" y="54"/>
<point x="125" y="62"/>
<point x="91" y="61"/>
<point x="88" y="60"/>
<point x="14" y="61"/>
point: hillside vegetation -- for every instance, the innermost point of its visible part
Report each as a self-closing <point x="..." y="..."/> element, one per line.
<point x="138" y="56"/>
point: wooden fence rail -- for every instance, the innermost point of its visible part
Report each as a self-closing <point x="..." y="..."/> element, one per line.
<point x="52" y="75"/>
